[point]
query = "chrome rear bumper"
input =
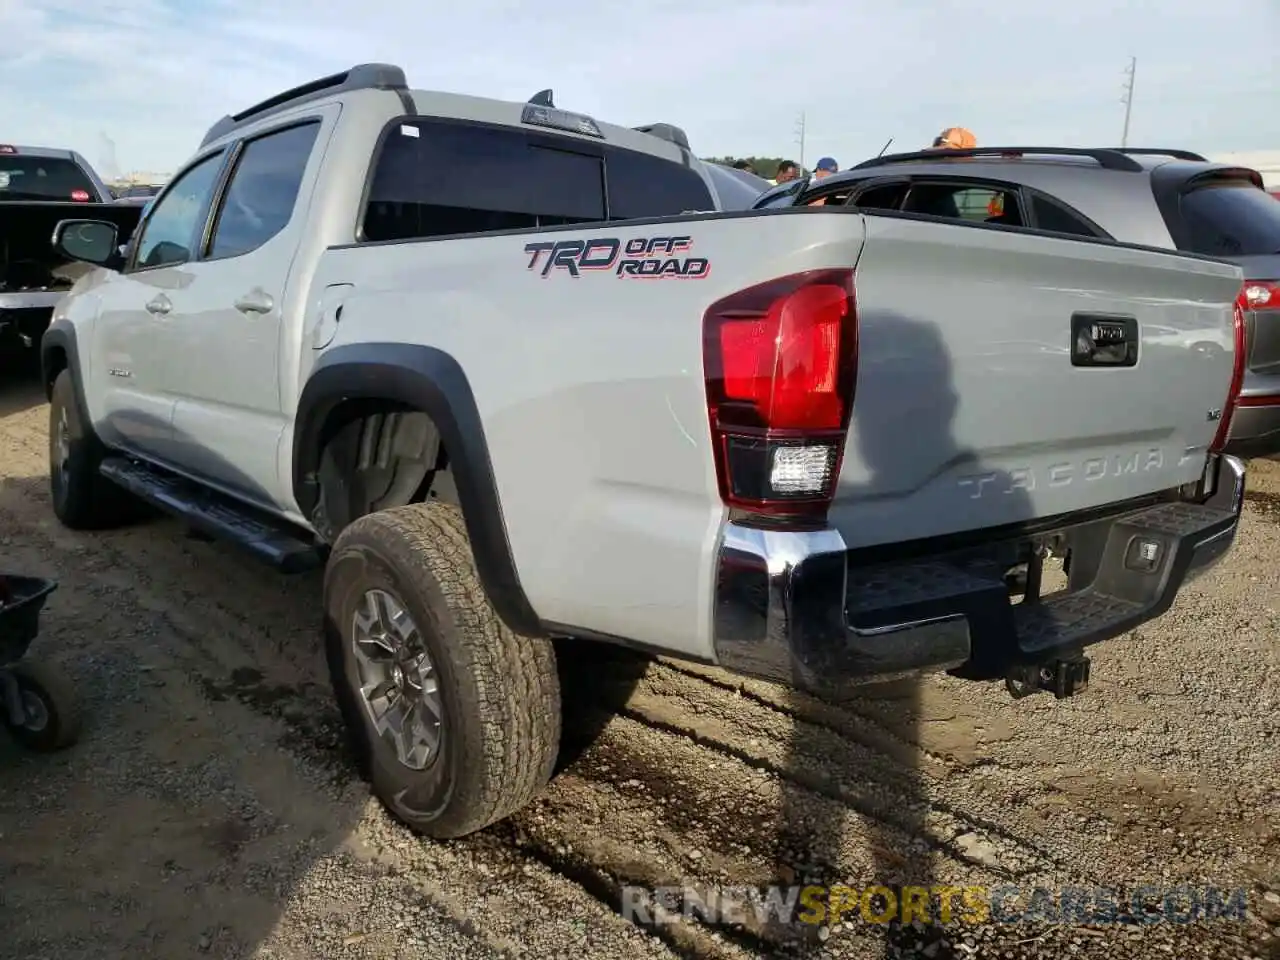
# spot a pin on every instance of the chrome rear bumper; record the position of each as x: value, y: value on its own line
x: 790, y: 607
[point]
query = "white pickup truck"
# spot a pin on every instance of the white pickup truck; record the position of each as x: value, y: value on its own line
x: 512, y: 375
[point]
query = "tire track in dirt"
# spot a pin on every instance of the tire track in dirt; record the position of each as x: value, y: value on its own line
x: 780, y: 738
x: 846, y: 719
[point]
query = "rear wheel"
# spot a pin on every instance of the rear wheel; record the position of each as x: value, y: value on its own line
x: 453, y: 717
x: 83, y: 499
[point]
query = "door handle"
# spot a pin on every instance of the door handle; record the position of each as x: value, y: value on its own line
x: 159, y: 306
x: 255, y: 302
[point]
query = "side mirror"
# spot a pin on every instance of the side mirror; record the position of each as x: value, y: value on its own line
x: 89, y: 241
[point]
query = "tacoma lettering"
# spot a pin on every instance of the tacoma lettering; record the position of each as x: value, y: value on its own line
x: 1055, y: 475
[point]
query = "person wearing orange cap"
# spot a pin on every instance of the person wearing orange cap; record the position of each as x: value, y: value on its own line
x: 955, y: 138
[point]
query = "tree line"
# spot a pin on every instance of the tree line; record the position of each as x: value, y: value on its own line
x: 766, y: 167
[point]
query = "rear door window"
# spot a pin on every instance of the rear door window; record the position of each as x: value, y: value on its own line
x: 1057, y: 218
x: 964, y: 201
x: 259, y: 201
x: 1231, y: 219
x: 882, y: 196
x: 435, y: 178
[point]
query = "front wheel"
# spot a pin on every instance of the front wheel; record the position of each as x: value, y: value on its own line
x: 50, y: 714
x: 453, y: 717
x: 83, y: 499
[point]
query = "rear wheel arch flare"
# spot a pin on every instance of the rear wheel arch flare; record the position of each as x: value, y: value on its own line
x: 416, y: 399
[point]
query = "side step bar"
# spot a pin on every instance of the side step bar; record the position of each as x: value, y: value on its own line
x: 273, y: 541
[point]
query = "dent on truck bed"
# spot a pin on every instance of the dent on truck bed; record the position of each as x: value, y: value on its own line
x: 430, y: 380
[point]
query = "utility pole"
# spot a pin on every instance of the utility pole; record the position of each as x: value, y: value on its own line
x: 800, y: 137
x: 1127, y: 99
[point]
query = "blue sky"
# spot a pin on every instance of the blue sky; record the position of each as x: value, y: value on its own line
x: 133, y: 84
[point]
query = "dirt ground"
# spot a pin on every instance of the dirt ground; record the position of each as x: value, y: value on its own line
x: 210, y: 809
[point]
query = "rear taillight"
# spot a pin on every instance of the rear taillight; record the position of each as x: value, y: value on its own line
x: 1260, y: 295
x: 780, y: 360
x: 1237, y: 379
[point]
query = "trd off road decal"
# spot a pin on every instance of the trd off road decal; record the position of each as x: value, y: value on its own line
x: 641, y: 258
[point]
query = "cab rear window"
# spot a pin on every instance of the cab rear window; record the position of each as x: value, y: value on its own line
x: 1231, y: 218
x: 43, y: 178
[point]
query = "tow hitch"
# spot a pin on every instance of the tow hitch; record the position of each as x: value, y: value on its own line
x: 1063, y: 678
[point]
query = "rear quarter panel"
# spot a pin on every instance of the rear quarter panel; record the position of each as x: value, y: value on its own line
x: 591, y: 392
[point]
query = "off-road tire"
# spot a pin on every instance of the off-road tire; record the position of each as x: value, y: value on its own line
x: 83, y: 499
x: 500, y: 691
x: 58, y: 701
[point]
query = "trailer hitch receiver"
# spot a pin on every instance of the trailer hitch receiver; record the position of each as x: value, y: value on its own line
x: 1063, y: 678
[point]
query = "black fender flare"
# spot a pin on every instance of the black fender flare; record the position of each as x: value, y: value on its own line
x: 61, y: 336
x: 432, y: 381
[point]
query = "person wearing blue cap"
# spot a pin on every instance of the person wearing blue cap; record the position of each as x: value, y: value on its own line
x: 825, y: 168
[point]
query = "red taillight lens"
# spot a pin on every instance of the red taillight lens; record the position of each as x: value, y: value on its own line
x: 780, y: 360
x: 1237, y: 379
x: 80, y: 196
x: 1260, y: 295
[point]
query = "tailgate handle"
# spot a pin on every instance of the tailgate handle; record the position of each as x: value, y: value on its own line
x: 1103, y: 340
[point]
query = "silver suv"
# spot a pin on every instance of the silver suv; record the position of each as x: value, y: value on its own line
x: 1169, y: 199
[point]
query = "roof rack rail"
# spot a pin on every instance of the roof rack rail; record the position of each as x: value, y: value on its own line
x: 1107, y: 159
x: 1153, y: 152
x: 363, y: 76
x: 668, y: 132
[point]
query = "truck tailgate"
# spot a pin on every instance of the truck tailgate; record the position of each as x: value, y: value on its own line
x: 971, y: 410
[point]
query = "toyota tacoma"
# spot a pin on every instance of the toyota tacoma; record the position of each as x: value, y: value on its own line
x: 578, y: 392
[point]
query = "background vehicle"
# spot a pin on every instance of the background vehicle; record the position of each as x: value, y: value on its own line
x: 757, y: 185
x: 137, y: 191
x: 1159, y: 198
x: 544, y: 400
x: 139, y: 194
x: 39, y: 187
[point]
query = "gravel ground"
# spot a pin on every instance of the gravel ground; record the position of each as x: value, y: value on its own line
x: 210, y: 809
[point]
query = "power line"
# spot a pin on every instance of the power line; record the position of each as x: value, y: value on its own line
x: 800, y: 137
x: 1127, y: 99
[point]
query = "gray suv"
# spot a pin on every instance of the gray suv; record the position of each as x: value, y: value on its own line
x: 1158, y: 198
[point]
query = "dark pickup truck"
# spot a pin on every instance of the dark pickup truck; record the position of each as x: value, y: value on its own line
x: 39, y: 187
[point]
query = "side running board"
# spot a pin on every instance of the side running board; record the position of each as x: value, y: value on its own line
x: 273, y: 541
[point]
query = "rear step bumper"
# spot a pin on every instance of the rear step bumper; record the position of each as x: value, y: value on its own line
x: 791, y: 608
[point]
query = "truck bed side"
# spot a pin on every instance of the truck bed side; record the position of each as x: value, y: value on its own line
x: 591, y: 394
